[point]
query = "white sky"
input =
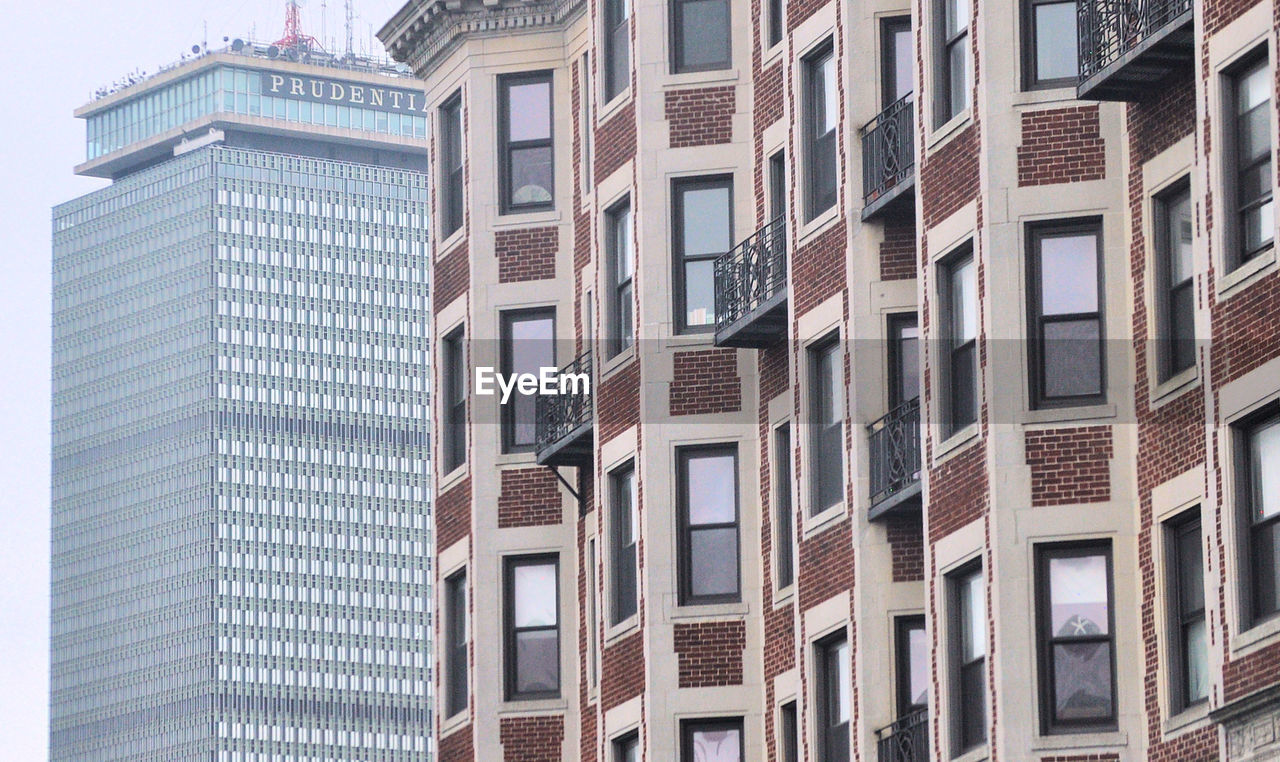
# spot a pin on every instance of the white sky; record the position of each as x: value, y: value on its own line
x: 53, y: 55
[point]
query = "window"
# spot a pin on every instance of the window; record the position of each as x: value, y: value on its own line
x: 711, y: 740
x: 788, y: 733
x: 627, y: 748
x: 777, y: 185
x: 785, y: 533
x: 773, y: 24
x: 1076, y: 641
x: 1248, y: 156
x: 703, y: 215
x: 451, y: 189
x: 951, y: 60
x: 1049, y: 47
x: 622, y: 542
x: 831, y: 681
x: 621, y: 268
x: 822, y: 106
x: 700, y: 35
x: 904, y: 358
x: 897, y: 60
x: 532, y: 595
x: 527, y: 173
x: 826, y: 424
x: 1260, y: 490
x: 1175, y: 297
x: 1188, y: 639
x: 455, y: 645
x: 1065, y: 298
x: 528, y: 344
x: 617, y: 47
x: 708, y: 508
x: 968, y: 645
x: 912, y: 664
x: 587, y: 125
x: 454, y: 388
x: 959, y: 304
x: 593, y: 652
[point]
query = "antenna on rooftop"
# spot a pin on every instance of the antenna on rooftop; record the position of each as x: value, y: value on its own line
x: 350, y: 25
x: 293, y: 38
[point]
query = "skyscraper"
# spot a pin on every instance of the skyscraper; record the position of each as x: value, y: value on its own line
x: 241, y: 529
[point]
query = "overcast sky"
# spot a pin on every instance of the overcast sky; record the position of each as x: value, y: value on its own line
x: 52, y: 57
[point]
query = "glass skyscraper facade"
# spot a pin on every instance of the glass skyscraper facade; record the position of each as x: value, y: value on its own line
x: 241, y: 527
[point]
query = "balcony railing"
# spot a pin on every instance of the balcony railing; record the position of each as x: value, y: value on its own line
x: 1126, y: 46
x: 894, y: 444
x: 564, y: 421
x: 906, y: 740
x: 751, y: 289
x: 889, y: 159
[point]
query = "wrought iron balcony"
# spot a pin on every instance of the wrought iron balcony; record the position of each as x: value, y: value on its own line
x: 751, y: 289
x: 889, y: 160
x: 1126, y: 46
x: 564, y: 422
x: 906, y: 740
x: 894, y: 444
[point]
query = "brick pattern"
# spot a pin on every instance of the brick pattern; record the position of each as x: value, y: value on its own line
x: 1164, y: 118
x: 906, y: 546
x: 1061, y: 145
x: 768, y: 97
x: 817, y: 269
x: 1108, y: 757
x: 618, y: 402
x: 531, y: 739
x: 452, y: 277
x: 958, y: 491
x: 616, y: 141
x: 1246, y: 330
x: 1070, y: 465
x: 705, y: 382
x: 1219, y: 13
x: 700, y: 116
x: 526, y: 253
x: 825, y: 564
x: 530, y: 497
x: 949, y: 177
x: 458, y: 746
x: 898, y: 250
x: 621, y: 671
x: 453, y: 514
x: 710, y: 653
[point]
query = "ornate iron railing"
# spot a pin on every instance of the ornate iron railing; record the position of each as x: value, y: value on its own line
x: 558, y: 415
x: 1111, y: 28
x: 752, y: 273
x: 906, y: 740
x: 888, y: 149
x: 894, y: 442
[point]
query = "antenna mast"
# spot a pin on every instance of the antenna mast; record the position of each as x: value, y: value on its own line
x: 351, y: 16
x: 293, y: 36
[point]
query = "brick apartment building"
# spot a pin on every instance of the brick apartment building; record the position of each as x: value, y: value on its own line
x: 935, y: 351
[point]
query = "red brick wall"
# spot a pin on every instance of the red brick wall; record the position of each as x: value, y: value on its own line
x: 622, y: 671
x: 949, y: 177
x: 906, y: 545
x: 700, y: 116
x: 453, y: 513
x: 768, y: 96
x: 618, y: 402
x: 817, y: 269
x: 958, y: 491
x: 1070, y: 465
x: 1061, y: 145
x: 530, y: 497
x: 452, y: 276
x: 531, y: 739
x: 1219, y: 13
x: 705, y: 382
x: 1110, y: 757
x: 1162, y: 119
x: 710, y: 653
x: 616, y: 141
x: 1246, y: 330
x: 457, y: 746
x: 898, y: 251
x: 826, y: 565
x: 526, y: 253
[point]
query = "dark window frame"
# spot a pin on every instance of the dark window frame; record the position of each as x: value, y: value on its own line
x: 955, y: 350
x: 1231, y: 77
x: 1046, y: 640
x: 1173, y: 354
x: 902, y: 628
x: 783, y: 510
x: 1251, y: 534
x: 684, y: 546
x: 623, y: 558
x: 506, y: 146
x: 453, y: 387
x: 830, y: 733
x: 890, y: 27
x: 818, y: 199
x: 961, y: 706
x: 679, y: 186
x: 1180, y: 620
x: 1037, y: 320
x: 1030, y: 61
x: 691, y: 726
x: 616, y: 39
x: 506, y: 413
x: 828, y: 345
x: 621, y: 333
x: 455, y: 645
x: 621, y: 744
x: 777, y: 184
x: 510, y: 633
x: 788, y: 732
x: 452, y: 186
x: 774, y: 23
x: 944, y: 105
x: 679, y: 66
x: 895, y: 324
